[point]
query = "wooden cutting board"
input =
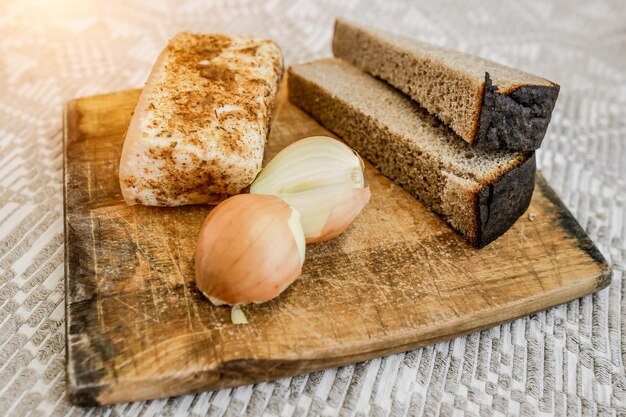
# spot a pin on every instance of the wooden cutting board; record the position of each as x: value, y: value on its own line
x: 398, y: 279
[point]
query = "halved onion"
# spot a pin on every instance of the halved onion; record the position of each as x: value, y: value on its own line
x: 320, y: 177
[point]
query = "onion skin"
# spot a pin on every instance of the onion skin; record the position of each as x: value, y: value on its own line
x: 247, y: 250
x: 346, y: 208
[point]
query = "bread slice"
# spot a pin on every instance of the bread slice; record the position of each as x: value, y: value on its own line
x: 480, y: 193
x: 200, y: 126
x: 489, y: 105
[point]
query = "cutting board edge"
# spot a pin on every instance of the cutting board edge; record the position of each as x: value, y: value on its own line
x: 575, y: 230
x: 97, y: 394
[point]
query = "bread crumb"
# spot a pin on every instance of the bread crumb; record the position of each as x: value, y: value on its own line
x: 531, y: 217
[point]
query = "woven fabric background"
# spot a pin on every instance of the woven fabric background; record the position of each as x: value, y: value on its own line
x: 568, y: 360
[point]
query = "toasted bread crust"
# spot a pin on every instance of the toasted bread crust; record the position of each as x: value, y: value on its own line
x: 514, y: 118
x: 198, y: 132
x: 476, y: 120
x: 503, y: 201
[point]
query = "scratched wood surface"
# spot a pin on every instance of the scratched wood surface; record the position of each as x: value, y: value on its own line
x: 399, y: 278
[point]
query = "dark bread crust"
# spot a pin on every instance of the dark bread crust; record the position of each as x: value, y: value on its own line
x: 501, y: 203
x: 495, y: 205
x: 515, y: 119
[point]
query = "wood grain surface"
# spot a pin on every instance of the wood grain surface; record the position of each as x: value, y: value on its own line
x: 399, y: 278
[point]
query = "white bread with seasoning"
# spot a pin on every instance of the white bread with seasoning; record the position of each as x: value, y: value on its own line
x: 199, y: 129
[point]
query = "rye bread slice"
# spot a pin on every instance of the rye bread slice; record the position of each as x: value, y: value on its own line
x: 479, y: 192
x: 488, y: 104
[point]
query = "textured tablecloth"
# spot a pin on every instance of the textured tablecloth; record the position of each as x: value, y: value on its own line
x: 569, y: 359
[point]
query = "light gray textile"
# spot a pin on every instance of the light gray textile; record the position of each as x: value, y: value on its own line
x: 567, y: 360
